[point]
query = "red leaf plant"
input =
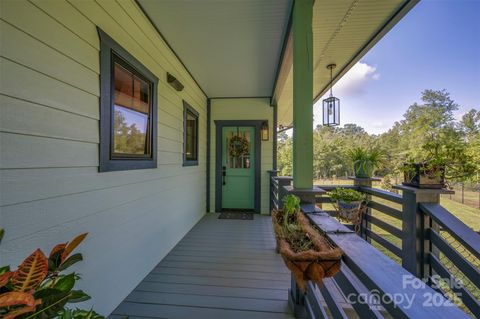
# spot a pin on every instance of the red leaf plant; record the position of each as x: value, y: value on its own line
x: 39, y: 289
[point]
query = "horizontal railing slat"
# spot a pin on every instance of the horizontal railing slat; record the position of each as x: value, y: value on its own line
x: 326, y: 290
x: 349, y: 288
x: 332, y: 187
x: 396, y: 198
x: 323, y: 199
x: 455, y: 227
x: 314, y: 307
x: 395, y: 213
x: 463, y: 294
x: 383, y: 225
x: 456, y: 258
x: 385, y: 243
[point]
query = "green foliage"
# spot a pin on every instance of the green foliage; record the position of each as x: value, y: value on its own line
x: 291, y: 231
x: 284, y: 154
x: 346, y: 195
x: 39, y: 289
x: 291, y: 204
x: 365, y: 160
x: 79, y: 314
x: 128, y: 139
x: 427, y: 132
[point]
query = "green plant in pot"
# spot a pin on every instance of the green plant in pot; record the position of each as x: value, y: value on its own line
x: 291, y: 230
x: 365, y: 161
x: 39, y: 288
x: 439, y: 163
x: 349, y: 203
x: 307, y: 253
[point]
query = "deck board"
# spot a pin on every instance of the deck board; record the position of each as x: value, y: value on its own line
x: 221, y: 268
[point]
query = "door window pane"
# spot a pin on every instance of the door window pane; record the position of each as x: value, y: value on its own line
x: 238, y: 149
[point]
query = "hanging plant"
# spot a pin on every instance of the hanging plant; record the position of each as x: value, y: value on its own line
x: 238, y: 146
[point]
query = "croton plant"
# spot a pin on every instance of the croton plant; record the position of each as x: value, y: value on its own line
x: 40, y: 289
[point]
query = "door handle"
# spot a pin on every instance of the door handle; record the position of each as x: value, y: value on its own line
x: 224, y: 174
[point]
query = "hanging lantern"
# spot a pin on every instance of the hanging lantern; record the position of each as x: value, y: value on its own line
x: 264, y: 131
x: 331, y: 105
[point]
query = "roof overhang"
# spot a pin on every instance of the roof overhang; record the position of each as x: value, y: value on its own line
x: 231, y: 48
x: 343, y: 32
x: 244, y: 48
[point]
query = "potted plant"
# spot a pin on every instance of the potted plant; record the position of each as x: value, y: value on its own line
x: 39, y: 289
x: 349, y: 204
x: 306, y: 252
x: 440, y: 161
x: 365, y: 161
x: 424, y: 174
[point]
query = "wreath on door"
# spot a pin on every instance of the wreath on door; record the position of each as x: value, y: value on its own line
x: 238, y: 146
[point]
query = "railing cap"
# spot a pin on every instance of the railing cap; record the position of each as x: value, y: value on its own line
x: 423, y: 190
x: 375, y: 179
x: 283, y: 178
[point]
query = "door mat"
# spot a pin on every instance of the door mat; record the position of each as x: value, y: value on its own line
x: 236, y: 215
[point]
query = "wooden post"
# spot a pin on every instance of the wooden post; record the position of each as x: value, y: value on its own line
x: 415, y: 242
x: 302, y: 94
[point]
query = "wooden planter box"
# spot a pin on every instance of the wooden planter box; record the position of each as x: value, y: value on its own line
x: 419, y: 175
x: 314, y: 264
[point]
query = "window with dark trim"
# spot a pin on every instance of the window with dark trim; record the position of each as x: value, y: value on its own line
x: 190, y: 135
x: 128, y: 110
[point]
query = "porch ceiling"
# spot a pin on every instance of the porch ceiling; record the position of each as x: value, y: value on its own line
x: 343, y: 31
x: 231, y: 48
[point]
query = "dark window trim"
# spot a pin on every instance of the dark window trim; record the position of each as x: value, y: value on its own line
x: 108, y: 46
x: 187, y: 108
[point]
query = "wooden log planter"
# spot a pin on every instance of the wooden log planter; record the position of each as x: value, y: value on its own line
x: 322, y: 261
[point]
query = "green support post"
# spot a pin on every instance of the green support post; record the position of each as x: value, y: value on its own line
x: 302, y: 94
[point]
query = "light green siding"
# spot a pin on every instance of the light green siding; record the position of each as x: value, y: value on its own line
x: 244, y: 109
x: 49, y: 111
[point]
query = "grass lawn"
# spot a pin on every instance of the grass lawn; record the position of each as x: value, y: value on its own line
x: 467, y: 214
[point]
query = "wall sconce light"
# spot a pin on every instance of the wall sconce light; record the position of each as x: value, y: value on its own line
x: 331, y: 105
x: 264, y: 131
x: 177, y: 85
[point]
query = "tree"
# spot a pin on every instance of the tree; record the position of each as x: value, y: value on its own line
x: 427, y: 126
x: 470, y: 125
x: 128, y: 138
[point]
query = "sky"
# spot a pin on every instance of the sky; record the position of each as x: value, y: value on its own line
x: 435, y: 46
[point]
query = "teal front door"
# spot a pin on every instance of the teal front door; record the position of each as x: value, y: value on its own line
x: 238, y: 167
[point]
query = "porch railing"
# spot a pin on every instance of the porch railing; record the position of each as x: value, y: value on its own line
x: 420, y: 242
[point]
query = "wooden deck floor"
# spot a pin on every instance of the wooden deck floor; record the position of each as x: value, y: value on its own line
x: 220, y: 269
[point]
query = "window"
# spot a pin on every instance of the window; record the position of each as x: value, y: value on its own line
x: 128, y: 110
x: 190, y: 135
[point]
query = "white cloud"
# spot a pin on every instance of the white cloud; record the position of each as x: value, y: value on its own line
x: 354, y: 81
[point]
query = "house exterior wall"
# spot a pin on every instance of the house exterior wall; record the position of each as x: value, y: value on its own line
x: 51, y: 189
x: 244, y: 109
